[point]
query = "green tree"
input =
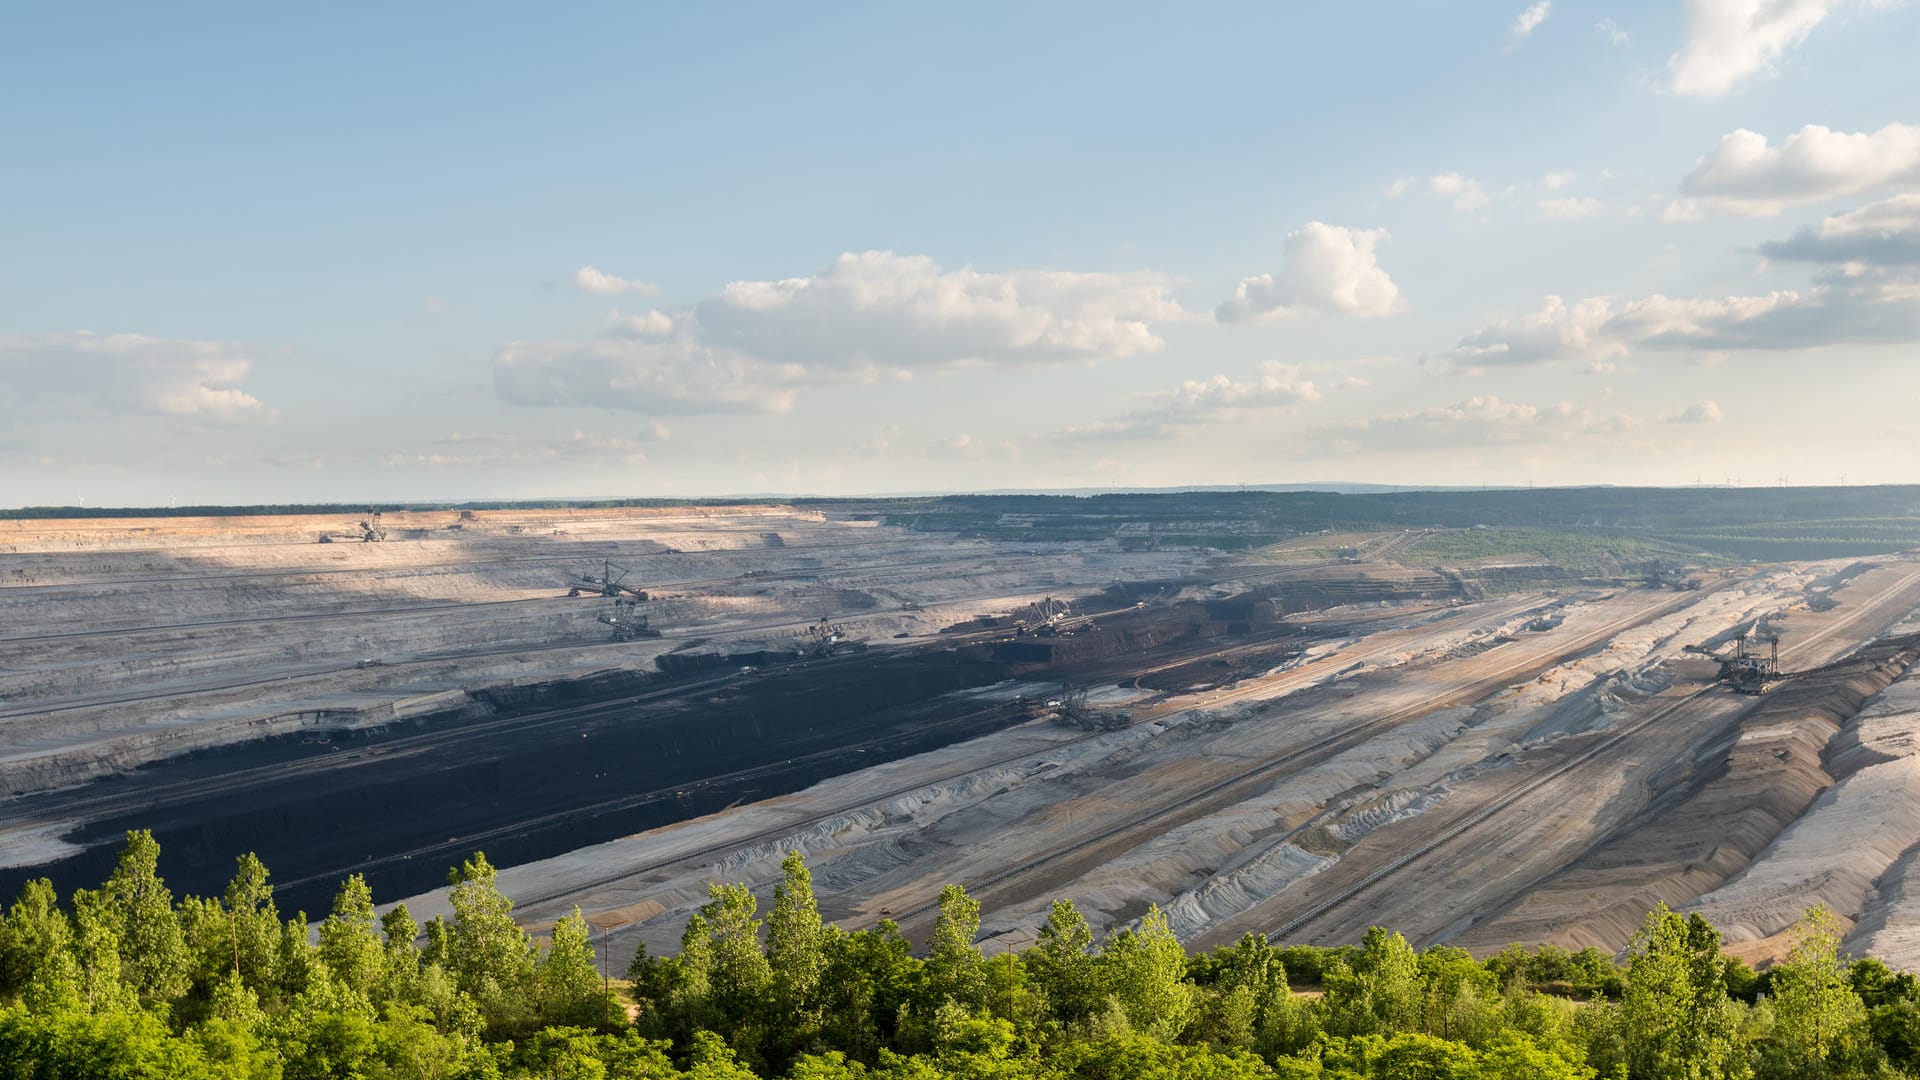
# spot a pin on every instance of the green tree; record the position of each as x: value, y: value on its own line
x: 1676, y: 1020
x: 739, y: 976
x: 153, y: 952
x: 1462, y: 998
x: 402, y: 962
x: 96, y: 952
x: 689, y: 983
x: 36, y: 951
x: 1144, y: 970
x: 572, y: 991
x: 233, y: 1037
x: 795, y: 951
x: 954, y: 963
x: 1250, y: 996
x: 255, y: 924
x: 870, y: 975
x: 488, y: 955
x: 1818, y: 1019
x: 1511, y: 1056
x: 295, y: 964
x: 349, y: 945
x: 1062, y: 965
x: 1382, y: 993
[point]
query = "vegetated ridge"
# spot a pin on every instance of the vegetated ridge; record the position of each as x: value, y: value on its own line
x: 126, y: 982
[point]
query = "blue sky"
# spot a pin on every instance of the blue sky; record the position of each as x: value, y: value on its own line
x: 471, y: 251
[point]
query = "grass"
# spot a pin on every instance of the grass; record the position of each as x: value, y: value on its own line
x: 1582, y: 551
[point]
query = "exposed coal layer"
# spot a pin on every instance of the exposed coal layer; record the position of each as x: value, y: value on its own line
x: 556, y: 766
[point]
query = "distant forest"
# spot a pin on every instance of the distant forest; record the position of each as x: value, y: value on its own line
x: 125, y: 981
x: 1702, y: 523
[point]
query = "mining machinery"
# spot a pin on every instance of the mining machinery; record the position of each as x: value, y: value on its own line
x: 1663, y: 576
x: 1070, y: 709
x: 1749, y: 670
x: 368, y: 530
x: 629, y: 623
x: 828, y: 638
x: 607, y: 584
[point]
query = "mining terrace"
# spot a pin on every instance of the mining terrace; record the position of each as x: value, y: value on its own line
x: 621, y: 704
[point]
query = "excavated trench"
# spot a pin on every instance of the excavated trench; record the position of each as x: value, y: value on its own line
x: 1752, y: 782
x: 533, y: 771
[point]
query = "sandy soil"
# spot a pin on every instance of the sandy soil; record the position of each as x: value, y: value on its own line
x: 127, y: 641
x: 1445, y: 771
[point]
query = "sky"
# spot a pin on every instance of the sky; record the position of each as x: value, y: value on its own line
x: 259, y: 253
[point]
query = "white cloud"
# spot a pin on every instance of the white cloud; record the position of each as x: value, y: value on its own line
x: 661, y: 377
x: 1729, y: 40
x: 1865, y: 310
x: 129, y: 374
x: 1571, y: 208
x: 903, y: 311
x: 1746, y: 175
x: 1700, y: 412
x: 1554, y: 181
x: 1328, y: 268
x: 600, y: 283
x: 1199, y: 403
x: 1612, y: 32
x: 492, y: 450
x: 1467, y: 194
x: 1885, y: 233
x: 1554, y: 332
x: 961, y: 447
x: 1481, y: 420
x: 876, y: 314
x: 1528, y: 21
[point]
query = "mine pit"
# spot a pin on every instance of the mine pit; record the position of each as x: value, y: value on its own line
x: 619, y: 705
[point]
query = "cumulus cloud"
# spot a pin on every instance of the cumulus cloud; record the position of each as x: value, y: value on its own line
x: 1198, y: 403
x: 1466, y: 193
x: 1528, y: 21
x: 876, y: 314
x: 1700, y: 412
x: 904, y: 311
x: 1863, y: 310
x: 600, y: 283
x: 1554, y: 181
x: 494, y: 450
x: 1611, y: 32
x: 1744, y: 174
x: 661, y: 377
x: 1328, y: 268
x: 1481, y: 420
x: 1730, y: 40
x: 1556, y: 331
x: 1884, y: 234
x: 130, y: 374
x: 1571, y: 208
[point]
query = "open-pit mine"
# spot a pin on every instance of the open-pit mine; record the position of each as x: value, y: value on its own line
x: 1296, y: 730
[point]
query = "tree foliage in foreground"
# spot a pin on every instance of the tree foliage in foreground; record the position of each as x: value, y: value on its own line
x: 126, y: 982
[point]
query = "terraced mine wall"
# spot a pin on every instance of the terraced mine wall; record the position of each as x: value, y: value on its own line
x: 1764, y: 774
x: 529, y: 771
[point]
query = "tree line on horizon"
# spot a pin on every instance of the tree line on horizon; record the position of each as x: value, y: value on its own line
x: 125, y: 981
